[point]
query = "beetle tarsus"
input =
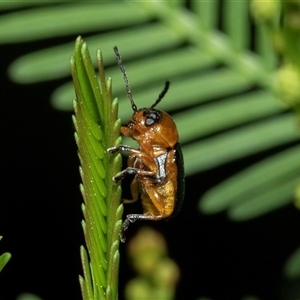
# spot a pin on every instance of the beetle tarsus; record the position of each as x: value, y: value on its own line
x: 113, y: 150
x: 123, y: 148
x: 129, y: 219
x: 118, y: 177
x: 124, y: 228
x: 124, y: 173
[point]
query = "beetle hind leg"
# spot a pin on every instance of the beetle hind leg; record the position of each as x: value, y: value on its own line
x: 124, y: 228
x: 132, y: 218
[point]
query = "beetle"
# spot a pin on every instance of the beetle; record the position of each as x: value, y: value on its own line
x: 157, y: 163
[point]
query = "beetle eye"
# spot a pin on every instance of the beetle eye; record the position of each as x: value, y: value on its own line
x: 152, y: 118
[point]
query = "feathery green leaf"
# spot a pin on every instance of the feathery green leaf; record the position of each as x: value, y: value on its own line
x: 97, y: 128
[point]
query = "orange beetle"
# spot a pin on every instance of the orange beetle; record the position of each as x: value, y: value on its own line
x: 157, y: 164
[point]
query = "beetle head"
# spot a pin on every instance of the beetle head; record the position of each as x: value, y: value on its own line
x: 152, y: 126
x: 148, y: 125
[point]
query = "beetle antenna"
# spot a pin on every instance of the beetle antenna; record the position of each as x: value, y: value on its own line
x: 122, y: 68
x: 162, y: 93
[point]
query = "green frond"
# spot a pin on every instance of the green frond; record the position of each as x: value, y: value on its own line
x: 292, y: 266
x: 97, y: 128
x: 272, y: 186
x: 4, y: 258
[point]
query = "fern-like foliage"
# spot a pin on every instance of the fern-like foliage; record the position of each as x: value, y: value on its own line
x: 97, y: 128
x: 4, y: 258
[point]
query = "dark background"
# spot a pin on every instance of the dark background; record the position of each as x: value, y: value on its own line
x: 40, y: 212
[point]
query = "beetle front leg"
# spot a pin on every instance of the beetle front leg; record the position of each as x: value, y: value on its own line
x: 132, y: 171
x: 123, y: 148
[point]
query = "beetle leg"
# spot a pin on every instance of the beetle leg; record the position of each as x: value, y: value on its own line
x: 124, y: 228
x: 134, y: 188
x: 133, y: 218
x: 123, y: 148
x: 132, y: 171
